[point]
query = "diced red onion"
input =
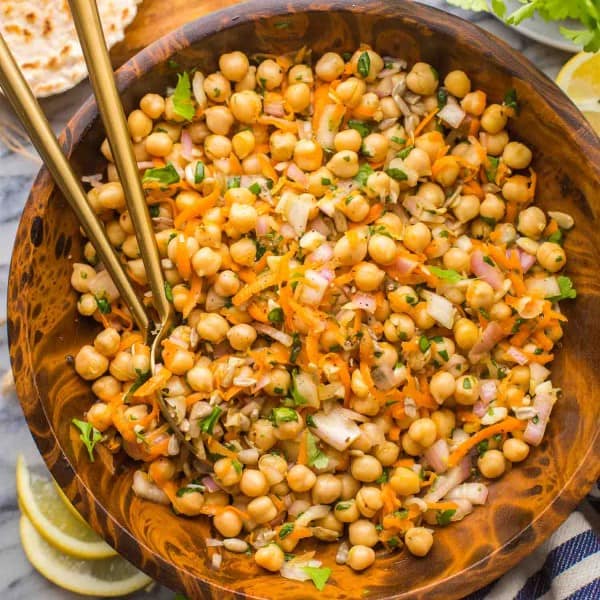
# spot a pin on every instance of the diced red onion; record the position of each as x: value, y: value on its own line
x: 452, y: 114
x: 304, y: 130
x: 351, y: 414
x: 274, y: 109
x: 361, y: 301
x: 374, y: 433
x: 318, y: 511
x: 295, y: 570
x: 186, y: 145
x: 328, y: 274
x: 384, y: 88
x: 491, y: 335
x: 404, y: 265
x: 547, y: 286
x: 102, y: 286
x: 488, y: 390
x: 213, y: 543
x: 313, y: 288
x: 213, y: 301
x: 490, y: 274
x: 287, y: 231
x: 475, y: 493
x: 538, y: 373
x: 440, y: 309
x: 276, y: 334
x: 94, y: 180
x: 216, y: 560
x: 517, y: 355
x: 322, y: 254
x: 262, y: 382
x: 336, y: 429
x: 296, y: 174
x: 262, y: 225
x: 437, y: 456
x: 320, y: 226
x: 527, y: 260
x: 210, y: 484
x: 542, y: 403
x: 444, y: 483
x: 463, y: 508
x: 341, y: 555
x: 145, y: 164
x: 456, y: 365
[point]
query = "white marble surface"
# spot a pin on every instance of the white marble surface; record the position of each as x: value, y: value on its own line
x: 18, y: 580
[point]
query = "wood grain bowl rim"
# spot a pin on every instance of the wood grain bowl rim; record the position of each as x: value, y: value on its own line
x: 574, y: 125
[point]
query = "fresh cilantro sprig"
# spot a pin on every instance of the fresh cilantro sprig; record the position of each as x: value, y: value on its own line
x: 89, y: 435
x: 182, y: 97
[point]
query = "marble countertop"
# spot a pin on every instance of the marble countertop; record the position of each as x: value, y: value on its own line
x: 18, y: 580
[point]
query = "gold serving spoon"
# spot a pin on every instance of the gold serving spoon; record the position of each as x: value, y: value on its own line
x: 33, y: 119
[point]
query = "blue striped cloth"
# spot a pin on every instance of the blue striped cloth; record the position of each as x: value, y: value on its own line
x: 565, y: 567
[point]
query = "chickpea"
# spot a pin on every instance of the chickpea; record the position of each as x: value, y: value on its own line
x: 248, y: 82
x: 418, y: 540
x: 100, y: 416
x: 457, y: 260
x: 262, y: 510
x: 360, y: 557
x: 492, y: 464
x: 516, y: 155
x: 346, y: 512
x: 246, y: 106
x: 90, y: 364
x: 445, y: 422
x: 81, y: 276
x: 111, y: 196
x: 516, y: 189
x: 234, y: 65
x: 254, y: 483
x: 467, y: 208
x: 421, y: 316
x: 241, y: 336
x: 467, y: 390
x: 300, y: 478
x: 410, y: 446
x: 369, y: 501
x: 551, y: 257
x: 351, y: 91
x: 86, y: 305
x: 243, y: 252
x: 282, y: 144
x: 423, y: 431
x: 106, y: 388
x: 206, y: 262
x: 308, y: 155
x: 243, y: 143
x: 500, y: 311
x: 269, y: 74
x: 398, y: 328
x: 121, y: 367
x: 474, y: 103
x: 495, y: 143
x: 448, y: 171
x: 466, y: 333
x: 532, y: 222
x: 217, y: 87
x: 227, y: 284
x: 458, y: 83
x: 422, y: 79
x: 226, y: 472
x: 279, y: 383
x: 480, y: 294
x: 217, y: 146
x: 344, y: 164
x: 300, y: 73
x: 242, y: 217
x: 382, y: 249
x: 376, y: 147
x: 212, y: 327
x: 158, y: 144
x: 492, y: 207
x: 153, y: 105
x: 262, y: 435
x: 366, y: 58
x: 442, y: 386
x: 381, y: 185
x: 139, y: 125
x: 228, y: 523
x: 189, y: 504
x: 330, y: 66
x: 270, y: 557
x: 417, y: 237
x: 200, y: 379
x: 363, y: 532
x: 219, y: 119
x: 115, y: 233
x: 418, y: 160
x: 389, y: 108
x: 405, y: 481
x: 368, y: 277
x: 107, y: 342
x: 366, y: 468
x: 297, y: 95
x: 494, y: 118
x: 327, y: 489
x: 515, y: 450
x: 387, y: 453
x: 355, y: 207
x: 348, y: 139
x: 351, y: 252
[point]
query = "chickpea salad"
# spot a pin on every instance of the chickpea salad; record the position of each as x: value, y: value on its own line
x: 368, y: 302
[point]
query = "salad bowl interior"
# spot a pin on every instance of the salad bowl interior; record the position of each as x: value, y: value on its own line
x: 46, y: 332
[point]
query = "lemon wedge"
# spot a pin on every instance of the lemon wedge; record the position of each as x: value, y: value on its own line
x: 54, y: 519
x: 580, y: 80
x: 107, y: 577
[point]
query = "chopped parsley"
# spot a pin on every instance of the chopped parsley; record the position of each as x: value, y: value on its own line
x: 182, y: 97
x: 489, y: 261
x: 398, y: 140
x: 199, y: 172
x: 567, y: 291
x: 310, y: 422
x: 363, y: 174
x: 384, y: 477
x: 285, y: 530
x: 168, y: 291
x: 316, y: 458
x: 443, y: 517
x: 467, y: 384
x: 89, y: 435
x: 163, y: 175
x: 442, y: 98
x: 297, y: 397
x: 282, y: 414
x: 482, y: 447
x: 360, y: 126
x: 139, y: 381
x: 154, y: 210
x: 343, y: 505
x: 556, y: 237
x: 275, y: 315
x: 296, y: 347
x: 424, y: 344
x: 511, y: 100
x: 208, y: 423
x: 405, y: 152
x: 255, y: 188
x: 364, y: 65
x: 103, y: 305
x: 233, y: 182
x: 397, y: 174
x: 492, y: 168
x: 260, y: 249
x: 325, y: 181
x: 319, y: 575
x: 449, y: 275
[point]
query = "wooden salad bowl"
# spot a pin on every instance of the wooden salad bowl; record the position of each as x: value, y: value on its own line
x: 524, y: 507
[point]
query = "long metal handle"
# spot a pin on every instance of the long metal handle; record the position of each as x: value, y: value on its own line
x: 91, y: 37
x: 33, y: 119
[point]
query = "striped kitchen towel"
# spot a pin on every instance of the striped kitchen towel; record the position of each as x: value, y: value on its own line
x: 564, y: 567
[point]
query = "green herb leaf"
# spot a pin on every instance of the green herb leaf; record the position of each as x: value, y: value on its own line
x: 364, y: 65
x: 297, y: 397
x: 208, y: 423
x: 282, y: 414
x: 189, y: 489
x: 168, y: 291
x: 449, y: 275
x: 467, y: 384
x: 139, y: 381
x: 285, y: 530
x: 492, y: 168
x: 316, y: 458
x: 397, y: 174
x: 442, y: 98
x: 401, y: 514
x: 398, y: 140
x: 275, y: 315
x: 103, y: 305
x: 424, y: 344
x: 567, y: 291
x: 255, y: 188
x: 363, y: 128
x: 199, y: 172
x: 154, y: 210
x: 510, y: 100
x: 489, y: 261
x: 343, y: 505
x: 89, y: 435
x: 363, y: 174
x: 482, y: 447
x: 443, y: 516
x: 234, y: 182
x: 319, y: 575
x: 325, y: 181
x: 182, y: 97
x: 404, y: 152
x: 310, y: 422
x: 384, y: 477
x: 296, y: 347
x: 556, y: 237
x: 163, y: 175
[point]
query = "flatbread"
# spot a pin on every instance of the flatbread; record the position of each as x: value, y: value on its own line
x: 42, y: 38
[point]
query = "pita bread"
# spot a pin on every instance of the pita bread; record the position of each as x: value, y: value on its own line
x: 42, y: 38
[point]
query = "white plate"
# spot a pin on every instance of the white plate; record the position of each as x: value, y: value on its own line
x: 545, y: 32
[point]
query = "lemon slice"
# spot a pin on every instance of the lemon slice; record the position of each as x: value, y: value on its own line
x: 580, y: 80
x: 107, y: 577
x: 54, y: 519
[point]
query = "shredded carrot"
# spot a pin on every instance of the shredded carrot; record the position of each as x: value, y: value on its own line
x: 394, y: 434
x: 124, y: 316
x: 129, y: 338
x: 389, y: 498
x: 442, y: 505
x: 203, y: 205
x: 405, y: 462
x: 320, y: 100
x: 303, y: 449
x: 153, y: 384
x: 442, y: 163
x: 551, y: 228
x: 258, y: 311
x: 473, y: 187
x: 263, y: 281
x: 231, y: 392
x: 509, y: 424
x: 217, y: 448
x: 283, y: 124
x: 193, y: 296
x: 474, y: 126
x: 266, y: 167
x: 312, y: 347
x: 427, y: 119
